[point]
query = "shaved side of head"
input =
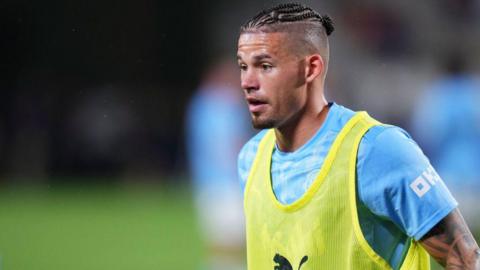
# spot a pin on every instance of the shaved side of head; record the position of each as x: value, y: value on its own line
x: 306, y: 31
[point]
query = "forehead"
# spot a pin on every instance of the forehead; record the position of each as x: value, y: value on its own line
x: 260, y: 42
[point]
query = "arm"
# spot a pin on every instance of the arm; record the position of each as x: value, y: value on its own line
x: 451, y: 243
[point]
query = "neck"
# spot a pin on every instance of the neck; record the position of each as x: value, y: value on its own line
x: 296, y: 132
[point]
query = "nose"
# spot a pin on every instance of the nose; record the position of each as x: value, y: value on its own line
x: 249, y: 80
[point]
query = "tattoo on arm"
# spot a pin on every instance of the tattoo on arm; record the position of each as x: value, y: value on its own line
x: 451, y: 243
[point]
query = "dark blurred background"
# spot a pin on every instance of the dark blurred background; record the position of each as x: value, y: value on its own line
x: 95, y: 92
x: 99, y: 87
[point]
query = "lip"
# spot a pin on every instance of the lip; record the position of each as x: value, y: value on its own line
x: 256, y: 108
x: 256, y: 105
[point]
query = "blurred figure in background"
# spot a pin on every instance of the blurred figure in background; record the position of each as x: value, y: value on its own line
x: 447, y: 124
x: 217, y: 127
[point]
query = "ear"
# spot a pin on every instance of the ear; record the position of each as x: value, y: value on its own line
x: 314, y: 67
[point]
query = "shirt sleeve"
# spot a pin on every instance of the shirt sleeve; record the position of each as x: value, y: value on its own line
x: 396, y: 181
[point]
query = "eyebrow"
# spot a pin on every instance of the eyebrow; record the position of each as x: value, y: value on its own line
x: 262, y: 56
x: 258, y: 57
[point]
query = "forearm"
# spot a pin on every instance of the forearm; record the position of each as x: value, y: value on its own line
x: 452, y: 245
x: 454, y: 256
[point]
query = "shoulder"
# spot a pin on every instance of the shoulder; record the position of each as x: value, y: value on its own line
x: 251, y: 146
x: 388, y: 159
x: 393, y: 143
x: 390, y: 163
x: 247, y: 156
x: 389, y: 153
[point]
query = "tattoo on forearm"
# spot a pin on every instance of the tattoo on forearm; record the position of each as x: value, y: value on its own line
x: 452, y: 245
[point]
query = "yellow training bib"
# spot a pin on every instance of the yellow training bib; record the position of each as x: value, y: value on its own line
x: 321, y: 229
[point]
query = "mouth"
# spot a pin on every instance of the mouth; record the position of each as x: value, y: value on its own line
x: 256, y: 105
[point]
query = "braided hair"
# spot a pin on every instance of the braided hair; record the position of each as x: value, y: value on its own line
x: 286, y: 14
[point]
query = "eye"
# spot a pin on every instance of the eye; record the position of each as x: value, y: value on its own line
x: 266, y: 66
x: 242, y: 67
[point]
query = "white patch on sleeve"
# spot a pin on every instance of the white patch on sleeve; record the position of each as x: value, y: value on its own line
x: 425, y: 181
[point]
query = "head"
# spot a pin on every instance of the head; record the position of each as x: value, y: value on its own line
x: 283, y: 55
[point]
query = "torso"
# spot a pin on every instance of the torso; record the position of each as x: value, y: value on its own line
x: 292, y: 174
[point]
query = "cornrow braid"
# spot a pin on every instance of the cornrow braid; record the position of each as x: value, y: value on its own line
x: 288, y: 13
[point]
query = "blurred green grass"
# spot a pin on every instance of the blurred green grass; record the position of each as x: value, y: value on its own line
x: 98, y: 228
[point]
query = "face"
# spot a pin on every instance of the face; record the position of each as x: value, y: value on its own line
x: 272, y: 77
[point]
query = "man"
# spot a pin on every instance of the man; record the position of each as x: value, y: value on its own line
x: 324, y: 187
x: 216, y: 118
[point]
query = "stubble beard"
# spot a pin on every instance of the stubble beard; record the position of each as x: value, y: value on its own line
x: 259, y: 123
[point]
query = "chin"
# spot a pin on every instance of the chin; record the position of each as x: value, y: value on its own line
x: 263, y: 123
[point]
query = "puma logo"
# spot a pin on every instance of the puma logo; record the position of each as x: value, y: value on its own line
x: 284, y: 264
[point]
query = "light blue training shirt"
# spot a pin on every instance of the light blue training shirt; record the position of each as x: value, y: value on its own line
x: 217, y: 125
x: 400, y: 195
